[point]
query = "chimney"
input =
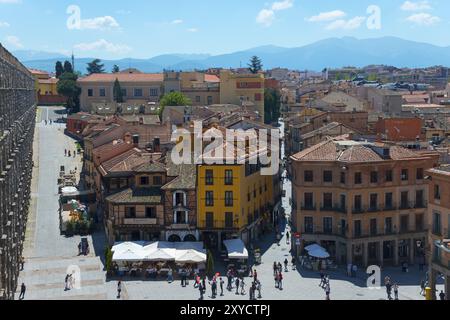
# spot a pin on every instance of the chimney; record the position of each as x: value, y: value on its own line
x: 157, y: 144
x: 136, y: 139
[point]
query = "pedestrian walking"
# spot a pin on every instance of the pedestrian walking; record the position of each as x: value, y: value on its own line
x: 170, y: 276
x: 214, y: 289
x: 277, y: 281
x: 442, y: 295
x: 286, y: 262
x: 65, y: 152
x: 200, y: 288
x: 23, y: 288
x: 389, y: 289
x: 327, y: 292
x: 275, y: 269
x: 255, y: 276
x: 229, y: 284
x: 322, y: 279
x: 66, y: 283
x: 119, y: 289
x: 422, y: 287
x: 280, y: 267
x: 258, y: 287
x: 22, y: 263
x: 288, y: 236
x: 396, y: 291
x: 221, y: 286
x: 242, y: 287
x: 197, y: 282
x: 204, y: 284
x: 237, y: 285
x: 69, y: 154
x: 294, y: 263
x: 280, y: 281
x: 250, y: 291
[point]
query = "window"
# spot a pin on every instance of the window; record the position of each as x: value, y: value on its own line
x: 374, y: 177
x: 157, y: 181
x: 90, y: 93
x: 404, y: 175
x: 328, y: 201
x: 209, y: 178
x: 374, y: 202
x: 388, y: 225
x: 437, y: 228
x: 343, y: 206
x: 419, y: 222
x: 209, y: 199
x: 419, y: 174
x: 309, y: 176
x: 209, y: 220
x: 358, y: 203
x: 138, y: 92
x: 145, y: 181
x: 309, y: 202
x: 150, y: 212
x: 404, y: 223
x: 229, y: 177
x: 419, y: 199
x: 179, y: 199
x: 102, y: 92
x: 357, y: 226
x: 154, y: 92
x: 437, y: 192
x: 328, y: 176
x: 229, y: 220
x: 309, y: 225
x: 389, y: 176
x: 373, y: 227
x: 328, y: 225
x: 388, y: 201
x: 358, y: 178
x: 130, y: 212
x: 404, y: 200
x: 197, y: 99
x: 343, y: 177
x: 210, y: 100
x: 228, y: 198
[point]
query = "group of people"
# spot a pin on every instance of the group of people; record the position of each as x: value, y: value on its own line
x: 389, y: 287
x: 48, y: 121
x: 68, y: 153
x: 214, y: 283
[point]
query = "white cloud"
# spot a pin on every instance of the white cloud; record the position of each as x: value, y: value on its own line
x: 282, y: 5
x: 267, y: 16
x: 103, y: 45
x: 177, y: 21
x: 415, y: 6
x: 4, y: 24
x: 327, y: 16
x: 99, y: 23
x: 424, y: 19
x: 192, y: 30
x: 14, y: 41
x: 351, y: 24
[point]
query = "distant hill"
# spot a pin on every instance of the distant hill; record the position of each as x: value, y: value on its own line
x: 328, y: 53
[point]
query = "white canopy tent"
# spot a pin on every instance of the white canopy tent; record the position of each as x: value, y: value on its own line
x: 236, y: 249
x: 127, y: 255
x: 320, y: 254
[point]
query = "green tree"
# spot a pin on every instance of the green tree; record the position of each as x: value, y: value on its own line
x: 117, y: 92
x: 95, y: 67
x: 209, y: 264
x: 68, y: 67
x: 108, y: 260
x: 115, y: 69
x: 255, y: 65
x: 272, y: 105
x: 67, y: 87
x: 59, y: 69
x: 173, y: 99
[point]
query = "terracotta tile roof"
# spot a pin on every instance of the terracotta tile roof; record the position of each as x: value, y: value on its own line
x: 324, y: 151
x: 137, y: 195
x: 150, y: 167
x: 359, y: 154
x: 211, y: 78
x: 123, y: 77
x: 124, y: 162
x: 399, y: 153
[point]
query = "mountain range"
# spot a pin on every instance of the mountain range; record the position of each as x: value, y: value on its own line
x: 328, y: 53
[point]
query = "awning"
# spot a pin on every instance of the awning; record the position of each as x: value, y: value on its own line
x: 191, y: 256
x: 236, y: 249
x: 128, y: 255
x: 319, y: 254
x: 315, y: 247
x: 159, y: 255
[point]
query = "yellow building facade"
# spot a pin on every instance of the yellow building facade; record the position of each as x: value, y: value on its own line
x: 242, y: 89
x: 233, y: 201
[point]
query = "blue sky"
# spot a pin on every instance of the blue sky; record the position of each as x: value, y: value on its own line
x: 145, y: 28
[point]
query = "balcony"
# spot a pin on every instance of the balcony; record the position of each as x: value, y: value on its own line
x: 140, y: 221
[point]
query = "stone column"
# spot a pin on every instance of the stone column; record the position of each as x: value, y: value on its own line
x: 381, y: 253
x: 395, y: 253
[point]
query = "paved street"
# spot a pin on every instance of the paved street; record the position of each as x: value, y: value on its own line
x: 48, y: 254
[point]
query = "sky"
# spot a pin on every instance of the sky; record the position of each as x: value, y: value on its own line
x: 116, y: 29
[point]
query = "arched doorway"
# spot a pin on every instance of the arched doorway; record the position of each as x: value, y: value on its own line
x: 174, y: 238
x: 190, y: 238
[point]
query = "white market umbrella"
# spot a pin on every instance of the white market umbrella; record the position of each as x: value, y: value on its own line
x: 319, y: 254
x: 315, y: 247
x: 128, y: 255
x: 191, y: 256
x: 159, y: 255
x: 125, y: 246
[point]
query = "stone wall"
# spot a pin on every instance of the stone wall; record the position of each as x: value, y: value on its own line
x: 17, y: 121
